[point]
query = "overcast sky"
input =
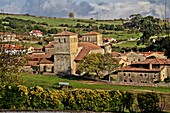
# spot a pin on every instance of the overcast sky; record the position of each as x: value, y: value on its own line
x: 98, y: 9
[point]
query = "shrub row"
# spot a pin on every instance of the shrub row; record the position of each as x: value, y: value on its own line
x: 36, y: 98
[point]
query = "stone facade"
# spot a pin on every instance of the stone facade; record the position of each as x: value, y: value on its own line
x: 66, y: 48
x: 93, y: 37
x: 148, y: 71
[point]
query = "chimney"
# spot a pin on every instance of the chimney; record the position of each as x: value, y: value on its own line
x: 150, y: 66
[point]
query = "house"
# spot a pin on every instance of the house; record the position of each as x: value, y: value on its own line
x: 131, y: 57
x: 49, y: 48
x: 8, y: 37
x: 37, y: 33
x: 144, y: 72
x: 12, y: 49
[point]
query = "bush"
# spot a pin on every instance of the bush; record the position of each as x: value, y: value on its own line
x: 148, y: 102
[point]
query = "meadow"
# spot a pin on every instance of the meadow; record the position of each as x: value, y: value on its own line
x: 47, y: 82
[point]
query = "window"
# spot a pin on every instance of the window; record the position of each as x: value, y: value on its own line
x: 124, y: 74
x: 139, y: 60
x: 59, y: 40
x: 125, y: 80
x: 141, y: 75
x: 131, y: 80
x: 145, y: 75
x: 129, y: 75
x: 64, y: 40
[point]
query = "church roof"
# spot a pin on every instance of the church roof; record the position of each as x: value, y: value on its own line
x: 65, y: 33
x: 86, y: 47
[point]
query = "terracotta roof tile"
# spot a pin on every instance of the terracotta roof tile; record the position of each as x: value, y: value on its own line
x: 50, y: 45
x: 45, y: 61
x: 65, y: 33
x: 33, y: 63
x: 86, y: 47
x: 116, y: 54
x: 135, y: 69
x: 40, y: 56
x: 152, y: 61
x: 91, y: 33
x: 10, y: 46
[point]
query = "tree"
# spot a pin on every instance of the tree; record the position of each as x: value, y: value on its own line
x: 9, y: 67
x: 91, y: 64
x: 110, y: 64
x: 71, y: 15
x: 149, y: 26
x: 97, y: 63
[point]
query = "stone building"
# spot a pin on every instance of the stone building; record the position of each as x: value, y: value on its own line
x: 148, y: 71
x: 66, y: 49
x: 66, y: 52
x: 93, y: 37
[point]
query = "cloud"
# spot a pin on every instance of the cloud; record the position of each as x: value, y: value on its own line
x: 124, y: 10
x: 98, y: 9
x: 11, y: 7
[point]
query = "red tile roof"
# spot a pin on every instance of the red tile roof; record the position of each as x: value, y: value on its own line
x: 33, y: 63
x: 149, y: 53
x: 10, y: 46
x: 65, y: 33
x: 91, y: 33
x: 116, y: 54
x: 135, y: 69
x: 151, y: 61
x: 45, y: 61
x: 40, y: 55
x: 50, y: 45
x: 86, y: 47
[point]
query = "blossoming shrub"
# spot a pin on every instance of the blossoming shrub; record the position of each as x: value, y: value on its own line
x: 18, y: 97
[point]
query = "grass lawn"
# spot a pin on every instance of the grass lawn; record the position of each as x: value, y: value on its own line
x: 47, y: 83
x: 129, y: 44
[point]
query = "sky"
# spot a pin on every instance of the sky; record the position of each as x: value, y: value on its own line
x: 97, y: 9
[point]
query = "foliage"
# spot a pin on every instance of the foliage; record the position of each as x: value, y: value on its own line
x: 9, y: 67
x: 109, y: 63
x: 149, y: 26
x: 97, y: 63
x: 18, y: 97
x: 22, y: 98
x: 91, y: 64
x: 71, y: 15
x: 148, y: 102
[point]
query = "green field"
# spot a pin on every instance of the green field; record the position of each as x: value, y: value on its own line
x: 129, y: 44
x: 48, y: 81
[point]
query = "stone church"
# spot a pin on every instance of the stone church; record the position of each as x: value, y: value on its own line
x: 65, y: 53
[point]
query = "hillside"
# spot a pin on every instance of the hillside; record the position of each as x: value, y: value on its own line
x: 109, y: 28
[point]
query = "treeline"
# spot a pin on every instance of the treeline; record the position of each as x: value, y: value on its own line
x: 94, y: 27
x: 24, y: 26
x: 36, y: 98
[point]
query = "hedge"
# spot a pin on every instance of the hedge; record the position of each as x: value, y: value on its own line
x: 20, y: 97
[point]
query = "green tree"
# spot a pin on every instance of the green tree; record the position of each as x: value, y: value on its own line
x: 9, y: 68
x: 110, y: 64
x: 71, y: 15
x: 148, y: 102
x: 149, y: 26
x: 91, y: 64
x: 97, y: 63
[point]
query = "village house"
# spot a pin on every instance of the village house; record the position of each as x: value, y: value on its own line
x: 144, y: 72
x: 8, y: 37
x: 37, y: 33
x: 12, y: 49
